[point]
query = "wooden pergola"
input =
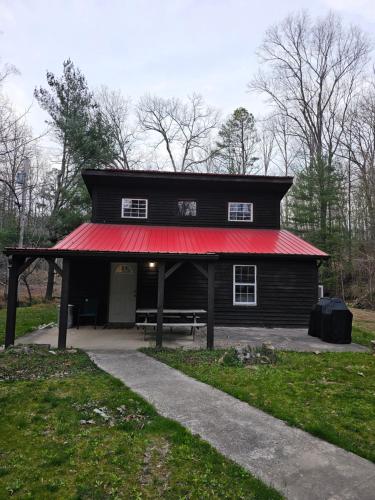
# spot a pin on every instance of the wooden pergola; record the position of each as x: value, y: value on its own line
x: 21, y: 258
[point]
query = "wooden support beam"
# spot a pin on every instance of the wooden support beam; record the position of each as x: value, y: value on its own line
x: 10, y: 329
x: 57, y: 268
x: 172, y: 269
x: 64, y: 301
x: 200, y: 269
x: 210, y: 305
x: 159, y: 327
x: 26, y: 264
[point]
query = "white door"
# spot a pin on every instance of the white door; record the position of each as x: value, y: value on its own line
x: 123, y: 292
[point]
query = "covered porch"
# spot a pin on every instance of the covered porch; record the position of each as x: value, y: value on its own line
x: 145, y: 283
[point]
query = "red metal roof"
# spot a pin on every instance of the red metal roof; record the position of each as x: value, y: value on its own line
x: 185, y: 240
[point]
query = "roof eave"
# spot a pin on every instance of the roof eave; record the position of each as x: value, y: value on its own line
x: 90, y: 177
x: 61, y: 253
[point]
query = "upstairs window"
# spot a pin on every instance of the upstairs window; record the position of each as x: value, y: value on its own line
x: 240, y: 212
x: 244, y: 285
x: 134, y: 208
x: 187, y: 208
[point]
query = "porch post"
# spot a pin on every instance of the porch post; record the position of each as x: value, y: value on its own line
x: 159, y: 328
x: 10, y: 329
x: 210, y: 304
x: 64, y: 301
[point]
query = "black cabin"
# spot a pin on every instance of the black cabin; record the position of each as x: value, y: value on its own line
x: 168, y: 241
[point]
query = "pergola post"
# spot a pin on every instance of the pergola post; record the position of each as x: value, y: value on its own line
x: 159, y: 321
x: 64, y: 302
x: 10, y: 329
x: 210, y: 304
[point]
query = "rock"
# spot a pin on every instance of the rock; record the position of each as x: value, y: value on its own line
x: 47, y: 325
x: 102, y: 412
x: 122, y: 409
x: 87, y: 422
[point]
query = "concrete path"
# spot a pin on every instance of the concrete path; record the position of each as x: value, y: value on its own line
x: 297, y: 464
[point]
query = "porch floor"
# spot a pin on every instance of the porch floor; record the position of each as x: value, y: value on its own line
x: 293, y: 339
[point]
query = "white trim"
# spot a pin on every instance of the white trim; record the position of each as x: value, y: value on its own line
x: 241, y: 220
x: 134, y: 216
x: 254, y: 284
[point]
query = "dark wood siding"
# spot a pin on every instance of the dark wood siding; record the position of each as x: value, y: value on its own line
x: 212, y: 206
x: 90, y: 278
x: 186, y: 288
x: 287, y: 289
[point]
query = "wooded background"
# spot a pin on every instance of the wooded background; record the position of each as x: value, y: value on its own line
x: 318, y: 80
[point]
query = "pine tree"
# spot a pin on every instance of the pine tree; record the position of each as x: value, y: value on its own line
x: 237, y: 145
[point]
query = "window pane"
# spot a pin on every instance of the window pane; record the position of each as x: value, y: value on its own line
x: 244, y: 284
x: 134, y: 208
x: 245, y: 294
x: 187, y: 208
x: 240, y: 211
x: 244, y: 274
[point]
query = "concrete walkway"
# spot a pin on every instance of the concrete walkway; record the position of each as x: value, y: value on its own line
x: 297, y: 464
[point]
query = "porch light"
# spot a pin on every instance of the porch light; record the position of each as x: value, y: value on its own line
x: 151, y: 264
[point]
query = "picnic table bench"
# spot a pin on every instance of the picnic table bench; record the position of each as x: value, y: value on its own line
x: 172, y: 318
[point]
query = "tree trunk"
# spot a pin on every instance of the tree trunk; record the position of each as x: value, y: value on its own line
x: 50, y: 280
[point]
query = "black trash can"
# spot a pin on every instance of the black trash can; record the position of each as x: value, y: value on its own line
x: 336, y: 322
x: 315, y: 322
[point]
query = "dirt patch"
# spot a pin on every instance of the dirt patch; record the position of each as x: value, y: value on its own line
x: 364, y: 317
x: 155, y: 472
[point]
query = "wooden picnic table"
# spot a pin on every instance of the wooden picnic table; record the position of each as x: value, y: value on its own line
x: 171, y: 311
x: 170, y: 314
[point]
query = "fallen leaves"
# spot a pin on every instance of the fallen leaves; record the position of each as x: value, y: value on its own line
x: 110, y: 417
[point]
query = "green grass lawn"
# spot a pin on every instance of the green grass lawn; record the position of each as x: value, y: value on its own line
x: 53, y: 444
x: 362, y: 335
x: 29, y: 318
x: 330, y: 395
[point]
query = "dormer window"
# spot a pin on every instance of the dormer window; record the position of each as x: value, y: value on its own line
x: 134, y: 208
x: 187, y: 208
x: 240, y: 211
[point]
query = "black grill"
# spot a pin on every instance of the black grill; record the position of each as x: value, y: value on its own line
x: 331, y: 320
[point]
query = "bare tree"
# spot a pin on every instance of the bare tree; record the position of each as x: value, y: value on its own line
x: 358, y: 147
x: 286, y: 154
x: 184, y: 128
x: 267, y: 144
x: 116, y: 111
x: 312, y: 69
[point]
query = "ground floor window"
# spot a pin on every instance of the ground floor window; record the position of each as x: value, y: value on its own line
x: 244, y: 285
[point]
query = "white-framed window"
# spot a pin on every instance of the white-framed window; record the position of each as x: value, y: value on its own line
x: 240, y: 211
x: 187, y: 208
x: 134, y: 208
x: 244, y: 285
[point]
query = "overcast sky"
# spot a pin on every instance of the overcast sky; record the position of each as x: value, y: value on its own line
x: 163, y: 47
